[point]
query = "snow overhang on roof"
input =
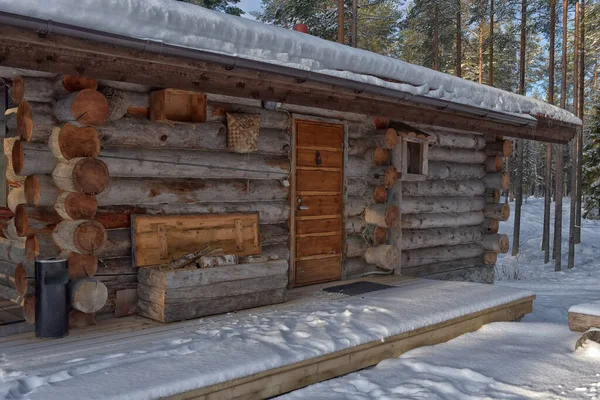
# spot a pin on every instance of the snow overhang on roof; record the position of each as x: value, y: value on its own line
x: 269, y: 47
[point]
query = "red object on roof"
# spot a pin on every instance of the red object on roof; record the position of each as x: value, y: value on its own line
x: 301, y: 28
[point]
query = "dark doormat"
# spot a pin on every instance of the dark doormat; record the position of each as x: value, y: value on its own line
x: 357, y: 288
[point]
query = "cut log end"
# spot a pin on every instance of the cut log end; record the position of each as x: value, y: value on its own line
x: 73, y: 83
x: 89, y: 237
x: 392, y: 216
x: 381, y: 156
x: 29, y: 308
x: 21, y: 220
x: 381, y: 122
x: 88, y: 295
x: 24, y: 121
x: 18, y: 89
x: 380, y: 194
x: 490, y: 258
x: 21, y: 279
x: 32, y: 247
x: 69, y: 141
x: 391, y: 138
x: 73, y: 205
x: 82, y: 265
x: 90, y: 108
x: 491, y: 226
x: 507, y: 148
x: 90, y: 176
x: 32, y: 190
x: 17, y: 157
x: 385, y: 256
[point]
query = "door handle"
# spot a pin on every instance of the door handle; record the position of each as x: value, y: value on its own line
x: 302, y: 207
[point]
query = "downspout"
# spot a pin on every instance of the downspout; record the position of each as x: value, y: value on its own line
x: 46, y: 28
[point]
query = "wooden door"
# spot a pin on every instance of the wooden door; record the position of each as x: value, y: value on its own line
x: 318, y: 202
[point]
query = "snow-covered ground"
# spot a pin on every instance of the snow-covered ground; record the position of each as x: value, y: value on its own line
x: 532, y: 359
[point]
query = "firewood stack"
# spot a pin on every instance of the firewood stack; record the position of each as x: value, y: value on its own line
x: 369, y: 214
x: 56, y: 160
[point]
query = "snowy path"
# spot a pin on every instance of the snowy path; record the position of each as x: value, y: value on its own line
x: 533, y: 359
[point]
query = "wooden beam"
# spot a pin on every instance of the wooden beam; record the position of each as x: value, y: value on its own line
x: 61, y: 54
x: 291, y: 377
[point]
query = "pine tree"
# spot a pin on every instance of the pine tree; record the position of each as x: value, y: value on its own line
x: 225, y: 6
x: 591, y: 169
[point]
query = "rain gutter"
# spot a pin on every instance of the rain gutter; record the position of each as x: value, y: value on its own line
x: 46, y: 28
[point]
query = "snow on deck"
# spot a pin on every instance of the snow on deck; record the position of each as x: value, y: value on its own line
x: 172, y: 359
x: 592, y: 308
x: 186, y: 25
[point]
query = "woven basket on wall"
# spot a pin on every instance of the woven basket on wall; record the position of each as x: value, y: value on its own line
x: 242, y: 132
x: 117, y: 103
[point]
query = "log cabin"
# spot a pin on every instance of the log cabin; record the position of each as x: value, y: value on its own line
x: 276, y: 159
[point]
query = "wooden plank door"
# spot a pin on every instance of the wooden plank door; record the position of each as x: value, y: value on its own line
x: 318, y: 202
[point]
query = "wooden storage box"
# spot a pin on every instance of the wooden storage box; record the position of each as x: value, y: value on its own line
x: 181, y: 294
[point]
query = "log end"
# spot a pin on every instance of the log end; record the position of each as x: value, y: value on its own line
x: 381, y: 156
x: 381, y: 122
x: 505, y: 212
x: 490, y: 258
x: 73, y: 83
x: 17, y: 157
x: 505, y: 181
x: 21, y: 220
x: 491, y: 226
x: 507, y: 148
x: 391, y: 177
x: 82, y: 265
x: 90, y: 176
x: 379, y: 194
x: 32, y: 190
x: 88, y: 295
x: 24, y: 121
x: 90, y: 107
x: 32, y: 247
x: 391, y: 138
x: 76, y: 142
x: 504, y: 244
x: 18, y: 89
x: 392, y: 216
x: 380, y: 235
x: 78, y: 205
x: 89, y: 237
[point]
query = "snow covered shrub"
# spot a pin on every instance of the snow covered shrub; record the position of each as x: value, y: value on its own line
x: 591, y: 169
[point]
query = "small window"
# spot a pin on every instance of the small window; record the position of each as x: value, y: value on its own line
x: 414, y: 157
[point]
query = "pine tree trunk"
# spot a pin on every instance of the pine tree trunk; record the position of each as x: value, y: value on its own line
x: 436, y: 39
x: 582, y: 117
x: 491, y: 73
x: 574, y: 148
x: 354, y: 23
x: 340, y: 32
x: 458, y: 39
x: 481, y: 6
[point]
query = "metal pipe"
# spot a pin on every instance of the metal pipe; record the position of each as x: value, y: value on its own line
x: 47, y: 27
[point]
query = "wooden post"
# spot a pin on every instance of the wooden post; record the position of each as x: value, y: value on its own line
x: 341, y: 22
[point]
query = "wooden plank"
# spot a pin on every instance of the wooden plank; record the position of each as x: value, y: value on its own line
x: 126, y: 302
x: 167, y: 296
x: 171, y: 105
x: 163, y: 238
x: 199, y: 308
x: 319, y: 270
x: 192, y: 277
x: 308, y: 246
x: 320, y: 205
x: 582, y: 322
x: 318, y: 181
x: 317, y: 134
x: 304, y: 227
x: 291, y: 377
x: 329, y: 159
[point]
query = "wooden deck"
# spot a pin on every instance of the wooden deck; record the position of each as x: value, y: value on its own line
x: 447, y: 300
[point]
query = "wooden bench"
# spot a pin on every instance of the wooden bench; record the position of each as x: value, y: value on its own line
x: 584, y: 316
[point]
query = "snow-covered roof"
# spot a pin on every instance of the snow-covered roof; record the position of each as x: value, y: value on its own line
x: 181, y: 24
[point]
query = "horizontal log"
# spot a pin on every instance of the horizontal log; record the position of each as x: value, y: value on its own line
x: 118, y: 244
x: 280, y: 251
x: 446, y: 270
x: 377, y: 176
x: 432, y: 188
x: 31, y: 220
x: 384, y: 256
x: 35, y: 121
x: 431, y: 255
x: 10, y: 294
x: 157, y: 191
x: 355, y: 206
x: 497, y: 180
x: 362, y: 145
x: 162, y: 163
x: 496, y: 242
x: 216, y: 112
x: 81, y: 265
x: 9, y: 230
x: 355, y: 225
x: 33, y: 89
x: 356, y: 246
x: 141, y: 132
x: 502, y: 148
x: 356, y: 267
x: 355, y: 121
x: 419, y: 205
x: 40, y: 190
x: 273, y: 234
x: 443, y: 220
x: 490, y: 225
x: 492, y: 196
x: 116, y: 266
x: 462, y: 156
x: 68, y: 141
x: 115, y: 284
x: 455, y: 140
x: 446, y: 170
x: 32, y: 158
x: 421, y: 238
x: 499, y: 212
x: 494, y: 164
